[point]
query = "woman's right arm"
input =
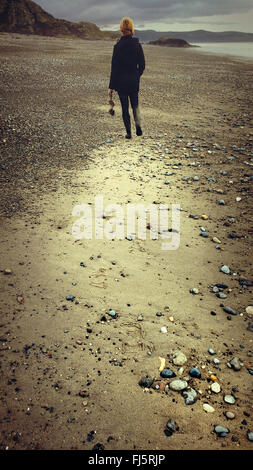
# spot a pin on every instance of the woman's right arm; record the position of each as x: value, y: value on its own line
x: 112, y: 83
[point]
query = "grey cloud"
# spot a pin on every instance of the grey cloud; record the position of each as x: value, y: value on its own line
x: 110, y: 12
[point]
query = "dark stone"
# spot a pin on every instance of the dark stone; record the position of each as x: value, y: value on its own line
x: 167, y: 374
x: 171, y: 427
x: 70, y: 297
x: 146, y: 382
x: 98, y: 446
x: 194, y: 372
x: 245, y: 282
x: 90, y: 436
x: 229, y: 310
x: 221, y: 286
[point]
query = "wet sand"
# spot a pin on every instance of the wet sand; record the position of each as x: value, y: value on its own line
x: 69, y: 371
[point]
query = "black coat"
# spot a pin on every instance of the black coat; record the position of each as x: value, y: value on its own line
x: 128, y: 64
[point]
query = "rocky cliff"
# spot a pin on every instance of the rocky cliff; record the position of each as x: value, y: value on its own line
x: 25, y: 16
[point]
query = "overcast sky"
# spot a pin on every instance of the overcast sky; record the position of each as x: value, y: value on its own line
x: 162, y: 15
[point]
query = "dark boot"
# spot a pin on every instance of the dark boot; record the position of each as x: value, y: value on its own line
x: 127, y: 122
x: 137, y: 118
x: 138, y: 130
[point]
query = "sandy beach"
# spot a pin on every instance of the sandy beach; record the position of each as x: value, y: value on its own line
x: 81, y: 319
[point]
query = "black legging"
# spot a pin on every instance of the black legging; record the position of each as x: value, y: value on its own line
x: 124, y: 99
x: 134, y: 100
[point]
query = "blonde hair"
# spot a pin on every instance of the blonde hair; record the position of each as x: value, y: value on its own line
x: 127, y: 26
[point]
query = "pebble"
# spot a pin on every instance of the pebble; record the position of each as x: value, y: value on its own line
x: 221, y: 431
x: 194, y: 372
x: 158, y: 385
x: 204, y: 234
x: 194, y: 290
x: 112, y: 313
x: 216, y: 240
x: 229, y: 310
x: 190, y: 395
x: 146, y: 381
x: 208, y: 408
x: 229, y: 415
x: 221, y: 295
x: 163, y: 329
x: 180, y: 359
x: 211, y: 351
x: 250, y: 435
x: 7, y: 271
x: 70, y: 297
x: 171, y: 427
x: 216, y: 361
x: 178, y: 385
x: 229, y: 399
x: 250, y: 326
x: 215, y: 387
x: 221, y: 202
x: 180, y: 371
x: 235, y: 364
x: 221, y: 286
x: 167, y: 373
x: 249, y: 310
x: 225, y: 269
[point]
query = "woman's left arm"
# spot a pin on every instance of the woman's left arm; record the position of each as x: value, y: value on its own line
x: 141, y: 59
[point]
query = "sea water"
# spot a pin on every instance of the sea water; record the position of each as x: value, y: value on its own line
x: 236, y: 49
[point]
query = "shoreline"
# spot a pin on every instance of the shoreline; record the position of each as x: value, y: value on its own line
x: 246, y: 59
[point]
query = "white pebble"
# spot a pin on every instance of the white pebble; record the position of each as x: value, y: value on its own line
x: 215, y: 387
x: 163, y: 329
x: 208, y: 408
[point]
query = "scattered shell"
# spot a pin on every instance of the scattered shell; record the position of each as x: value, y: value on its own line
x: 162, y: 365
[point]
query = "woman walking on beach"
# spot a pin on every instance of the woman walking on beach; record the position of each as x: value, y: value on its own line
x: 128, y: 64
